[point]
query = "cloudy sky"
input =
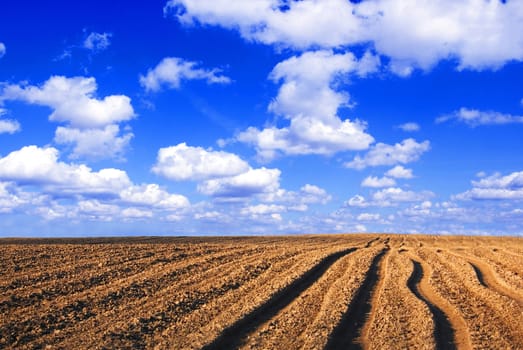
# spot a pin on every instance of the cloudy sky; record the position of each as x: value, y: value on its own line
x: 261, y: 117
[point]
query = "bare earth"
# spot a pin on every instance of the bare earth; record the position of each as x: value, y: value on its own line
x: 302, y: 292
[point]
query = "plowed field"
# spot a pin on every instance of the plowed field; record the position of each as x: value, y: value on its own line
x: 303, y: 292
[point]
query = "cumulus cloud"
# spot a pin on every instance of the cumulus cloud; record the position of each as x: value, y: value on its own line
x: 396, y: 194
x: 33, y: 165
x: 264, y: 21
x: 298, y: 200
x: 152, y: 195
x: 209, y: 215
x: 399, y: 172
x: 309, y: 101
x: 94, y: 143
x: 97, y: 41
x: 8, y: 126
x: 496, y: 186
x: 407, y: 151
x: 251, y: 182
x: 358, y: 201
x: 73, y: 101
x: 91, y: 123
x: 411, y: 33
x: 103, y: 195
x: 375, y: 182
x: 474, y: 117
x: 2, y: 50
x: 12, y: 197
x: 419, y: 210
x: 262, y: 209
x: 182, y: 162
x: 314, y: 194
x: 387, y: 197
x: 171, y: 71
x: 263, y: 212
x: 409, y: 127
x: 135, y: 213
x: 93, y: 209
x: 368, y: 217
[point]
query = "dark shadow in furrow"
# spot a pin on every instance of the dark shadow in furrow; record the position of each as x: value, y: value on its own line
x: 369, y: 243
x: 479, y: 275
x: 235, y: 335
x: 443, y: 331
x: 345, y: 335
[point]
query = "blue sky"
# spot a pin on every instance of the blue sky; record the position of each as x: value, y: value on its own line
x: 261, y: 117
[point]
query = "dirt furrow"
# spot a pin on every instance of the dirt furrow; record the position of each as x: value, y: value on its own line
x: 300, y: 292
x: 151, y: 318
x: 71, y: 292
x: 81, y: 307
x: 444, y: 332
x: 505, y: 265
x: 235, y: 335
x: 175, y: 305
x: 492, y: 320
x: 488, y: 278
x: 336, y: 299
x: 398, y: 320
x: 179, y: 293
x: 213, y: 318
x: 303, y: 320
x: 347, y: 332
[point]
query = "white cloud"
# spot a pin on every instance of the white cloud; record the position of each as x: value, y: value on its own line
x: 358, y: 201
x: 298, y: 200
x: 360, y: 228
x: 412, y: 33
x: 209, y: 216
x: 9, y: 126
x: 2, y: 50
x: 154, y: 196
x: 420, y: 211
x: 32, y: 165
x: 368, y: 217
x: 94, y: 143
x: 100, y: 195
x: 262, y: 209
x: 382, y: 154
x: 409, y: 127
x: 496, y: 186
x: 97, y: 41
x: 135, y: 213
x: 511, y: 181
x: 308, y: 100
x: 171, y: 71
x: 182, y: 162
x: 375, y: 182
x: 474, y: 117
x: 93, y: 209
x: 313, y: 194
x: 399, y: 172
x: 12, y: 197
x: 481, y: 174
x: 91, y: 123
x: 387, y: 197
x: 254, y: 181
x: 73, y: 101
x: 261, y: 20
x: 396, y: 194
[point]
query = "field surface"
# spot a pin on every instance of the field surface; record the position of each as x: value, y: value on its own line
x: 303, y: 292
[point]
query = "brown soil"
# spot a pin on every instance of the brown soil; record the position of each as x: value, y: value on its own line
x: 301, y: 292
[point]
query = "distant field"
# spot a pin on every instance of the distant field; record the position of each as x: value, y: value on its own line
x: 311, y: 292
